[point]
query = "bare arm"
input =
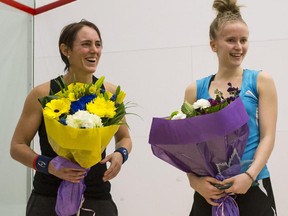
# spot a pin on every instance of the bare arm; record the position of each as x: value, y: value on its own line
x: 191, y: 93
x: 202, y: 184
x: 122, y: 139
x: 267, y: 125
x: 26, y: 129
x: 267, y: 122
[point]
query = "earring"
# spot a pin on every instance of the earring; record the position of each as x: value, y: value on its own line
x: 68, y: 56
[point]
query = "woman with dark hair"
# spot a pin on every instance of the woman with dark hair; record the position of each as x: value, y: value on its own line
x: 251, y: 188
x: 80, y: 46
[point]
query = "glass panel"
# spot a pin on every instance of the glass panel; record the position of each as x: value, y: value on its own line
x: 16, y: 71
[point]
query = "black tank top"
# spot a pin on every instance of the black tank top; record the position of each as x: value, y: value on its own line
x: 48, y: 184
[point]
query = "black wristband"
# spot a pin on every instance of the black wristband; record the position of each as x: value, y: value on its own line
x: 248, y: 174
x: 42, y: 163
x: 124, y: 153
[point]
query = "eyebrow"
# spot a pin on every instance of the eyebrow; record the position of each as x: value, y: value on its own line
x: 90, y: 41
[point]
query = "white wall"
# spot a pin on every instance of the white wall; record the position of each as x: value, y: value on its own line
x: 154, y: 49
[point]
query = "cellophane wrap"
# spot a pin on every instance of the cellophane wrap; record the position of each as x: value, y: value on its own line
x: 81, y: 146
x: 206, y: 145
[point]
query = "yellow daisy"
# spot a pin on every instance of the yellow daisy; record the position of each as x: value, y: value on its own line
x: 100, y: 107
x: 56, y: 108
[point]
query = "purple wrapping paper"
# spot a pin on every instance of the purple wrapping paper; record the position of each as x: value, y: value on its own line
x: 206, y: 145
x: 70, y: 195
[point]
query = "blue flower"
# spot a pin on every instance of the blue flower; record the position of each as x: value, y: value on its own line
x: 81, y: 103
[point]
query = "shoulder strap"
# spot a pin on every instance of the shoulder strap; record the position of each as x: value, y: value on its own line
x: 54, y: 84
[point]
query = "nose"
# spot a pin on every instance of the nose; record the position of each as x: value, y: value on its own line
x: 238, y: 45
x: 95, y: 48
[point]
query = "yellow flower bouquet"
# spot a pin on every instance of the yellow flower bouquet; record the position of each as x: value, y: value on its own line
x: 81, y: 119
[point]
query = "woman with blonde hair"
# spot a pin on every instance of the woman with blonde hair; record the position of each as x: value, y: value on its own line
x: 251, y: 189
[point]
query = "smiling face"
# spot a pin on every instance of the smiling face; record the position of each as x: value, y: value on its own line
x: 85, y: 52
x: 231, y: 44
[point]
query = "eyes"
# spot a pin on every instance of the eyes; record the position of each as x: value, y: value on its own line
x: 89, y: 44
x: 236, y: 40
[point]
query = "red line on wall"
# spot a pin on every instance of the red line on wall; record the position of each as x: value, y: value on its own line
x: 52, y: 6
x: 35, y: 11
x: 19, y: 6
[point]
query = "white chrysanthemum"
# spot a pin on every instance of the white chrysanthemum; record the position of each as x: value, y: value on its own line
x: 179, y: 115
x: 201, y: 103
x: 83, y: 119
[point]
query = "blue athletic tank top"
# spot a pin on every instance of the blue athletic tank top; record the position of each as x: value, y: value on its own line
x: 249, y: 96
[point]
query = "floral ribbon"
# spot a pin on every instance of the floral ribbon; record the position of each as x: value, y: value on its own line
x: 227, y: 207
x: 69, y: 195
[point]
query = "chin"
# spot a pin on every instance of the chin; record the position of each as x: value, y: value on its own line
x: 91, y: 70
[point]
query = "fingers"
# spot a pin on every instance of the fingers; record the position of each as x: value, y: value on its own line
x: 76, y: 176
x: 106, y: 159
x: 71, y: 174
x: 213, y: 180
x: 214, y: 197
x: 212, y: 203
x: 115, y: 166
x: 112, y: 171
x: 241, y: 184
x: 110, y: 174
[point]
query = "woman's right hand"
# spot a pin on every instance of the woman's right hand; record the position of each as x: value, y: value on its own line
x: 203, y: 185
x: 73, y: 175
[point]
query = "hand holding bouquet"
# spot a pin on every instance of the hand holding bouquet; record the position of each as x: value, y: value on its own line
x: 80, y: 121
x: 206, y: 138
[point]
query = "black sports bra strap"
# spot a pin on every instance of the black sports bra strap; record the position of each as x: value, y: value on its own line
x: 54, y: 84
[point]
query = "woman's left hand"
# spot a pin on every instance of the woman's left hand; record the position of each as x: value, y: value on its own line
x: 240, y: 184
x: 115, y: 160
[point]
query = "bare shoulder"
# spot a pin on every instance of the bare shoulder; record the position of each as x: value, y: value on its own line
x: 191, y: 92
x: 265, y: 84
x: 110, y: 87
x: 38, y: 92
x: 264, y: 75
x: 264, y: 79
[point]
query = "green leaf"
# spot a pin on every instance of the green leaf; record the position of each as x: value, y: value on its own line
x: 99, y: 82
x: 44, y: 100
x: 188, y: 109
x: 173, y: 114
x: 117, y: 90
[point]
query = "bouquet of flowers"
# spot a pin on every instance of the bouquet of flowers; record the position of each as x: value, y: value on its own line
x: 206, y: 138
x: 80, y: 121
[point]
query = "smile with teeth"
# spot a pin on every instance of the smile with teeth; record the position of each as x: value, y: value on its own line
x: 236, y: 55
x: 92, y: 60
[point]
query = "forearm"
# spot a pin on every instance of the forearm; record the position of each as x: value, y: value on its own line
x: 192, y: 180
x: 261, y: 156
x: 23, y: 153
x: 124, y: 142
x: 123, y: 139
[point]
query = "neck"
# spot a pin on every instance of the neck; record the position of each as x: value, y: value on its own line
x: 228, y: 73
x: 70, y: 77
